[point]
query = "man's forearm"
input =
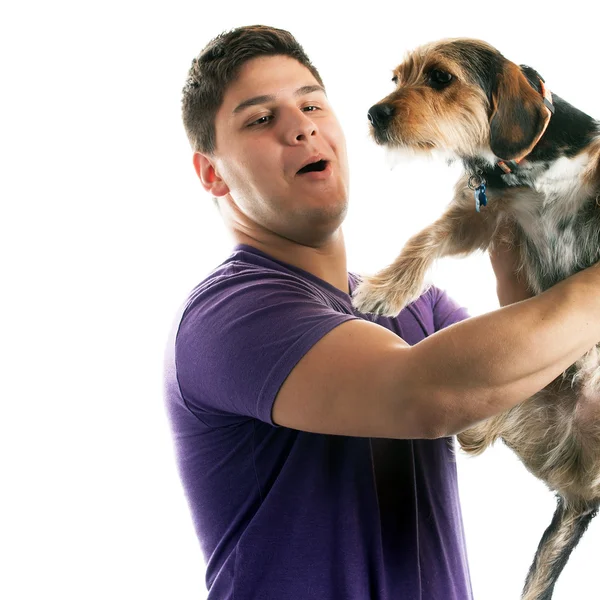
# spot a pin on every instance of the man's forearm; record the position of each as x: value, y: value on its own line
x: 485, y: 365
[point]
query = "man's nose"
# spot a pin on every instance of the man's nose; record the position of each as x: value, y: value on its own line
x: 301, y: 129
x: 380, y: 115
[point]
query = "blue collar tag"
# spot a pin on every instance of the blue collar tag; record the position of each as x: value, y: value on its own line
x: 480, y: 197
x: 477, y: 183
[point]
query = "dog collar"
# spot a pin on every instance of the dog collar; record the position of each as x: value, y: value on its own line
x: 509, y: 166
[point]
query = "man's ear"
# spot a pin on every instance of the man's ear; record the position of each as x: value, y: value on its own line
x: 209, y: 176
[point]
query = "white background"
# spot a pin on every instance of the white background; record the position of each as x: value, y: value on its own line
x: 105, y: 229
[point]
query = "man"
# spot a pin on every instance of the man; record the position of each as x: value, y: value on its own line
x: 314, y: 441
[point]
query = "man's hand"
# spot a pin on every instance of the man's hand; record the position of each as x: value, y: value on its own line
x: 504, y: 256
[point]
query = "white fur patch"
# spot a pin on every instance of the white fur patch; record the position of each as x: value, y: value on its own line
x: 563, y: 182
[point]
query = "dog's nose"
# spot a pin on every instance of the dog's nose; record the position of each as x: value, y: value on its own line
x: 381, y: 114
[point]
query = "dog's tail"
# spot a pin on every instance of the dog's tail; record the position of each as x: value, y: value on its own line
x: 557, y: 543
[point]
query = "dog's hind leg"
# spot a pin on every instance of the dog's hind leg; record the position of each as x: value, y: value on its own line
x: 557, y: 543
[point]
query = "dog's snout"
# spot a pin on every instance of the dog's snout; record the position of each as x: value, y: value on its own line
x: 380, y: 115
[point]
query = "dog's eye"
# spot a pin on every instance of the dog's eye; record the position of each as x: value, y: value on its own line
x: 439, y: 79
x: 395, y: 79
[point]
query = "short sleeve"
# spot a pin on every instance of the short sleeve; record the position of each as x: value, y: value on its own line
x: 239, y: 339
x: 446, y: 311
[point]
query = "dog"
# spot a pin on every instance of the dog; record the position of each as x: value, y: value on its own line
x: 532, y: 167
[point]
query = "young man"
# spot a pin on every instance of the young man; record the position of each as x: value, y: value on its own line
x: 312, y: 440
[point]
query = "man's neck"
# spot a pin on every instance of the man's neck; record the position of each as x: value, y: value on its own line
x: 327, y: 261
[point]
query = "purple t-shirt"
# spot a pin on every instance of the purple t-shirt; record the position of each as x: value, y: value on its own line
x: 283, y: 514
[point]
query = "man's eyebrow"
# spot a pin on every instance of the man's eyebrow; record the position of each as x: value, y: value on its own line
x: 305, y: 89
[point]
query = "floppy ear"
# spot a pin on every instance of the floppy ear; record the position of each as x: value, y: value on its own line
x: 518, y: 115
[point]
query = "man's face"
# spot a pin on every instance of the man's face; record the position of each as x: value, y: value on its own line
x: 274, y: 120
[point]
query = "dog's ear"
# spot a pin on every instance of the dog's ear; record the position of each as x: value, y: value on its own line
x: 518, y: 114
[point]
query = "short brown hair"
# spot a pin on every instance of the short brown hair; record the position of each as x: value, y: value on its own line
x: 218, y: 65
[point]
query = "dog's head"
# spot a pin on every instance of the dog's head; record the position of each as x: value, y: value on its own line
x: 461, y: 96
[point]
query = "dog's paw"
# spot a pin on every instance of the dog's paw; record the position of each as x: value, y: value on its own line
x: 380, y: 296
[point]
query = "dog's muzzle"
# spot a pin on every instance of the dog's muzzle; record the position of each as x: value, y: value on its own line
x: 380, y: 116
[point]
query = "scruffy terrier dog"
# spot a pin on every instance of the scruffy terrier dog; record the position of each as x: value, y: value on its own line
x: 531, y: 161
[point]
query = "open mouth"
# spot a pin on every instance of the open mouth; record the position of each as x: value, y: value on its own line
x: 320, y: 165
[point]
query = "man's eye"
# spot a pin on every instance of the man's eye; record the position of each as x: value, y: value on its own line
x: 310, y: 108
x: 261, y: 120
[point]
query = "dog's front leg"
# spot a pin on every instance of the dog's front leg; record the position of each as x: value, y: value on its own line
x: 461, y: 230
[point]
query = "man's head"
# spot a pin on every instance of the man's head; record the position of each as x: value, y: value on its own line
x: 256, y: 113
x: 218, y: 65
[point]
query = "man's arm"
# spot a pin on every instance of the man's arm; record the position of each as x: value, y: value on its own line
x: 362, y: 380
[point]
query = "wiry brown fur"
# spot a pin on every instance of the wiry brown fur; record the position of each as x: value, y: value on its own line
x: 556, y: 433
x: 431, y: 121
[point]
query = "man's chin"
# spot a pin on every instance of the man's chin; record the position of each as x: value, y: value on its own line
x: 319, y: 224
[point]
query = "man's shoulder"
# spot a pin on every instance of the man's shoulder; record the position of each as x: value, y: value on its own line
x: 243, y: 330
x: 247, y: 276
x: 250, y: 290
